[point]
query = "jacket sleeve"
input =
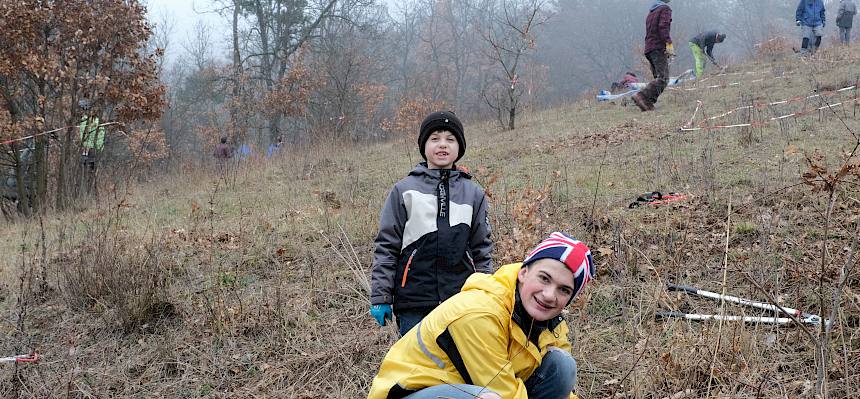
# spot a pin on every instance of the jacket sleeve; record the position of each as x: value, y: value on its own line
x: 823, y: 19
x: 481, y: 240
x: 665, y: 24
x: 798, y: 15
x: 483, y: 347
x: 387, y: 248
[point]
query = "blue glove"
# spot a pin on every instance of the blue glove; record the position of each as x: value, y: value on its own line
x: 381, y: 313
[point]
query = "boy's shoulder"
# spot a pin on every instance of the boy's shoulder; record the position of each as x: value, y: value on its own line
x: 426, y: 180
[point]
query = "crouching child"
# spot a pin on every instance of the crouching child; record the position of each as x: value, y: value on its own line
x: 502, y: 336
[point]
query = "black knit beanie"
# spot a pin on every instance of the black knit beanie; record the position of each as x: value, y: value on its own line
x: 442, y: 120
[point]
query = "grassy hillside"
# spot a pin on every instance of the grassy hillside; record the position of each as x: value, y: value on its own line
x: 257, y: 286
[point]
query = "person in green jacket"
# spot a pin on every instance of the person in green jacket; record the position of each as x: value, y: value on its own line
x: 91, y: 134
x: 502, y: 336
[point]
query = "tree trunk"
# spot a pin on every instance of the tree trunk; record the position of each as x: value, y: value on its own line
x: 39, y: 173
x: 38, y: 167
x: 20, y: 181
x: 266, y: 60
x: 237, y: 75
x: 62, y: 175
x: 512, y: 106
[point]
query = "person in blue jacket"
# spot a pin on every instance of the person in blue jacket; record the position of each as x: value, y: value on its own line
x: 810, y: 17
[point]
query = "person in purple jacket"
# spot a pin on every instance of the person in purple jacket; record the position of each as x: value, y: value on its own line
x: 658, y: 49
x: 222, y: 154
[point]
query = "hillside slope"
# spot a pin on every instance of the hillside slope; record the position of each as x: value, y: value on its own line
x: 257, y: 286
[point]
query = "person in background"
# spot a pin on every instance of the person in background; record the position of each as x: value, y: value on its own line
x: 274, y: 147
x: 702, y: 45
x: 223, y: 153
x: 91, y: 134
x: 245, y: 152
x: 845, y: 19
x: 625, y: 82
x: 810, y: 17
x: 658, y: 49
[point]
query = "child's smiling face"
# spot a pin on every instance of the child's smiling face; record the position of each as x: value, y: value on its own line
x: 546, y: 287
x: 441, y: 150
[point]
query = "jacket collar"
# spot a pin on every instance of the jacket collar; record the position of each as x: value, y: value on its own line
x: 503, y: 285
x: 422, y: 170
x: 532, y: 328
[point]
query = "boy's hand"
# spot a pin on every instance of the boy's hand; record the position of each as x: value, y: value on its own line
x: 381, y: 313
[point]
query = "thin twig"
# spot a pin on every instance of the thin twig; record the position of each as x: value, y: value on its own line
x: 636, y: 363
x: 596, y: 188
x: 722, y: 299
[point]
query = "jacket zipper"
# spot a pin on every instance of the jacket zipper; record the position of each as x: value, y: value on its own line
x: 406, y: 269
x: 471, y: 261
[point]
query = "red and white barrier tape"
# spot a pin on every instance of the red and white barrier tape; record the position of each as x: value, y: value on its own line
x: 10, y: 141
x: 723, y: 85
x: 701, y: 124
x: 768, y: 121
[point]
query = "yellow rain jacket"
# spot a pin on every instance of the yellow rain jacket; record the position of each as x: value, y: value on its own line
x: 469, y: 339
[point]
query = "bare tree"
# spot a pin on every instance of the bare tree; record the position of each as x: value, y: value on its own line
x: 511, y: 38
x: 348, y: 64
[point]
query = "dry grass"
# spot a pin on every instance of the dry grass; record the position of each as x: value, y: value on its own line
x: 264, y: 275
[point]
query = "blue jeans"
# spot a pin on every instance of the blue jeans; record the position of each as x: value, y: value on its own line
x: 553, y: 379
x: 409, y: 318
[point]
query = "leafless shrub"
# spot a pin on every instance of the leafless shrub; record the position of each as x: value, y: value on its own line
x: 519, y: 223
x: 116, y: 276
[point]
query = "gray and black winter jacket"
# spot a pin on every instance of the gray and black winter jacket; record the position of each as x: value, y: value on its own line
x: 845, y: 15
x: 433, y: 233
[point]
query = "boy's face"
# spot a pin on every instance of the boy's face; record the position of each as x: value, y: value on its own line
x: 545, y: 288
x: 441, y: 149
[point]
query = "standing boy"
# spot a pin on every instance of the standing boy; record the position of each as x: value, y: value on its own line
x: 433, y: 232
x: 502, y: 336
x: 658, y: 49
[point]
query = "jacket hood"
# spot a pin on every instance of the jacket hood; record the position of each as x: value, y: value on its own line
x: 422, y: 170
x: 657, y: 4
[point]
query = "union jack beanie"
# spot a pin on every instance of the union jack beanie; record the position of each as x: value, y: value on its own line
x: 574, y: 254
